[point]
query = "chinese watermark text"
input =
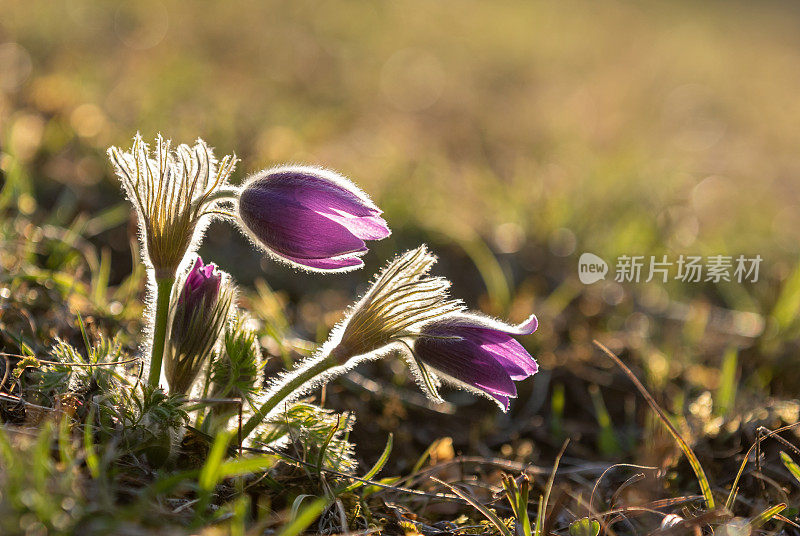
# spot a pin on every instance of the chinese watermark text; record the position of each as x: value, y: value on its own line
x: 662, y: 268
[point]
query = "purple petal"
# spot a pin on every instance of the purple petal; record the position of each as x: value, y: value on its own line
x: 478, y: 321
x: 508, y: 352
x: 478, y: 351
x: 202, y: 283
x: 466, y: 362
x: 504, y: 401
x: 517, y: 362
x: 312, y: 217
x: 364, y: 227
x: 207, y: 270
x: 525, y: 328
x: 292, y: 230
x: 194, y: 278
x: 198, y: 296
x: 319, y: 190
x: 334, y: 196
x: 335, y: 264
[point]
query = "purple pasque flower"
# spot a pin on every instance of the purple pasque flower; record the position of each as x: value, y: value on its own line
x: 477, y: 353
x: 310, y: 217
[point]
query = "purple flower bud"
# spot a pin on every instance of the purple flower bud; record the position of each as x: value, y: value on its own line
x: 201, y: 287
x: 477, y: 353
x: 310, y: 217
x: 198, y: 317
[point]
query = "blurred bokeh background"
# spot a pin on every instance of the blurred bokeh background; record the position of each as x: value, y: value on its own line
x: 510, y: 136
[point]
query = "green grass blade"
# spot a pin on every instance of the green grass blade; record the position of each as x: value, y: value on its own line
x: 304, y: 519
x: 537, y: 529
x: 65, y: 449
x: 607, y: 439
x: 791, y: 465
x: 522, y: 517
x: 210, y: 473
x: 702, y: 479
x: 766, y: 515
x: 726, y: 394
x: 100, y: 279
x: 787, y: 306
x: 40, y: 453
x: 168, y: 483
x: 497, y: 285
x: 557, y: 404
x: 245, y: 466
x: 7, y: 454
x: 85, y: 336
x: 512, y: 492
x: 488, y: 514
x: 324, y: 448
x: 735, y: 485
x: 548, y: 489
x: 375, y: 468
x: 92, y: 461
x: 107, y: 219
x: 424, y: 456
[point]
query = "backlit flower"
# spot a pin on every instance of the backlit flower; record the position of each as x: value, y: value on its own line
x: 310, y: 217
x: 477, y: 353
x: 174, y: 193
x: 402, y: 298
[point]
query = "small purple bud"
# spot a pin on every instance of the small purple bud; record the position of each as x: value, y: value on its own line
x: 310, y: 217
x: 478, y: 353
x: 201, y: 287
x: 198, y: 317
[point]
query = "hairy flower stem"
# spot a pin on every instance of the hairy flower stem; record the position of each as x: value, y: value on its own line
x: 290, y: 387
x: 163, y: 292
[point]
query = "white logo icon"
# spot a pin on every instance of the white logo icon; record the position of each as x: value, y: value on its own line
x: 591, y: 268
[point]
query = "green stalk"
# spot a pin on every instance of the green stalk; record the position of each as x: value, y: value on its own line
x: 287, y: 386
x: 163, y: 292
